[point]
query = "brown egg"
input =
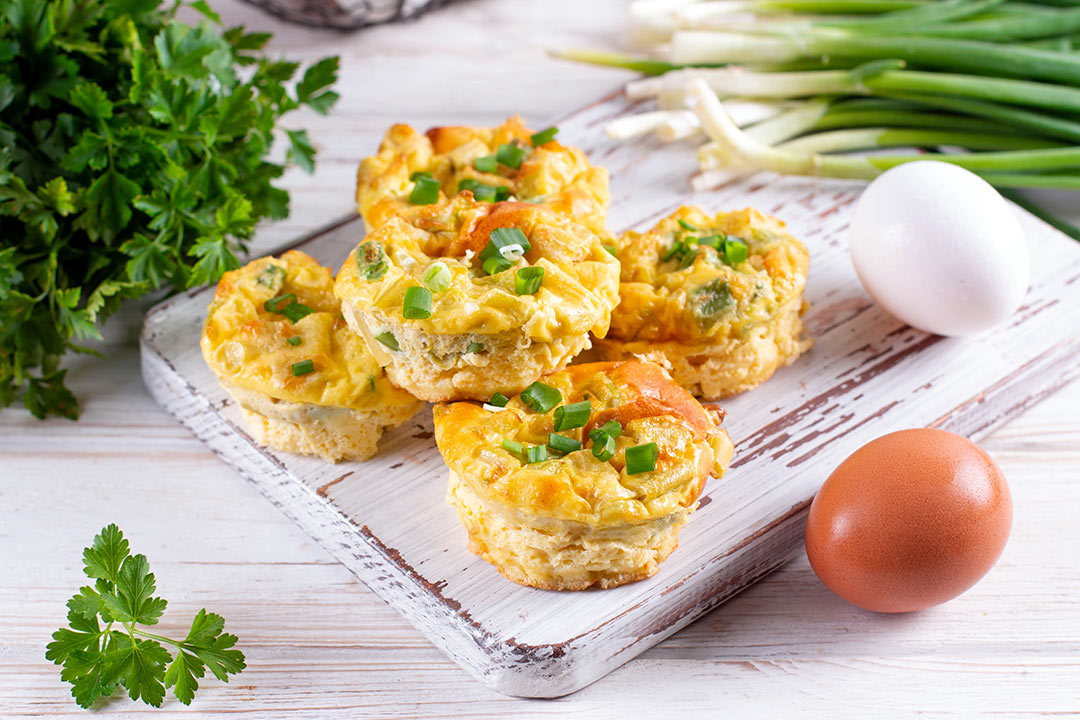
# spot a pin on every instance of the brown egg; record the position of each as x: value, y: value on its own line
x: 909, y: 521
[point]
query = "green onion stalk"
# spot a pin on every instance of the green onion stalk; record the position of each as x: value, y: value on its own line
x: 1007, y: 168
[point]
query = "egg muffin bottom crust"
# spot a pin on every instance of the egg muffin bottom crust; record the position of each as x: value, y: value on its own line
x: 565, y: 555
x: 332, y: 433
x: 722, y: 369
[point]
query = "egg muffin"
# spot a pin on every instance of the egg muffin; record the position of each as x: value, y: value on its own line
x: 585, y: 478
x: 720, y: 298
x: 507, y: 162
x: 464, y: 299
x: 277, y: 342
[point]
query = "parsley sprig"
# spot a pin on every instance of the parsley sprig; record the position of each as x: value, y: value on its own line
x: 103, y: 646
x: 133, y: 156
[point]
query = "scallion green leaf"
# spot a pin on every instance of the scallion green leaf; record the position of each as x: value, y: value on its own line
x: 295, y: 311
x: 603, y: 448
x: 474, y: 347
x: 417, y: 304
x: 541, y: 397
x: 544, y: 136
x: 425, y: 191
x: 294, y: 340
x: 528, y: 280
x: 387, y: 338
x: 438, y: 277
x: 499, y: 400
x: 513, y: 446
x: 279, y: 303
x: 371, y: 260
x: 735, y: 251
x: 612, y: 428
x: 496, y: 264
x: 272, y: 276
x: 572, y: 416
x: 535, y: 454
x: 686, y: 226
x: 563, y: 444
x: 641, y: 458
x: 511, y: 155
x: 611, y: 250
x: 303, y: 367
x: 486, y: 164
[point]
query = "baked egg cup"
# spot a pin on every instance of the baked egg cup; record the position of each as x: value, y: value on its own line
x: 275, y: 338
x: 585, y: 478
x: 463, y: 299
x: 717, y: 299
x: 507, y: 162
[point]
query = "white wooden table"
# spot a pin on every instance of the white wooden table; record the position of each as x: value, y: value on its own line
x: 319, y: 644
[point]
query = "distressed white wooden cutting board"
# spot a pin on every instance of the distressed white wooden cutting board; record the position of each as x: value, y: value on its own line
x: 387, y: 521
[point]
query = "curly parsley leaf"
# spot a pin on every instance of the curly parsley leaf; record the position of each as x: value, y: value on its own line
x: 133, y: 156
x: 103, y: 646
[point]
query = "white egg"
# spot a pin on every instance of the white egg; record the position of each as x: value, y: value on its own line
x: 939, y: 248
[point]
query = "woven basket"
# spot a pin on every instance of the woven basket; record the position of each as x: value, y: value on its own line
x: 346, y: 14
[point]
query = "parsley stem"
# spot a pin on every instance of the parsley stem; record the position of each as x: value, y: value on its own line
x: 152, y: 636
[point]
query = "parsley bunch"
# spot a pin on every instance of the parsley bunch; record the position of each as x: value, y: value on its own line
x: 97, y: 657
x: 133, y: 154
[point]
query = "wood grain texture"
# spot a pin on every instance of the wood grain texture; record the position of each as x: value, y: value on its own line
x: 387, y: 521
x: 321, y: 645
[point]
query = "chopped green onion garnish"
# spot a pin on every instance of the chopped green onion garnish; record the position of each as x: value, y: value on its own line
x: 535, y: 454
x: 541, y: 397
x: 611, y: 250
x: 710, y: 299
x: 641, y: 458
x: 603, y: 446
x: 425, y: 191
x: 387, y: 338
x: 528, y: 280
x: 294, y: 340
x: 271, y: 276
x: 495, y: 265
x: 498, y: 240
x: 571, y: 416
x: 484, y: 193
x: 563, y: 444
x: 514, y: 447
x: 486, y: 164
x: 676, y: 247
x: 686, y: 226
x: 736, y: 251
x: 474, y: 347
x: 303, y: 367
x: 278, y: 304
x: 296, y: 311
x: 511, y: 155
x: 437, y: 278
x: 513, y: 253
x: 612, y: 428
x: 499, y: 400
x: 504, y: 237
x: 688, y: 257
x: 419, y: 174
x: 371, y: 260
x: 544, y: 136
x: 417, y: 304
x: 714, y: 241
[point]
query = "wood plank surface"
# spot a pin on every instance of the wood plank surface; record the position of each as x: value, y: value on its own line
x: 387, y: 520
x: 320, y: 644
